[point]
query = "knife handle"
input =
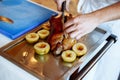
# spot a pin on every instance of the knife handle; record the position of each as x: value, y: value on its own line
x: 63, y: 6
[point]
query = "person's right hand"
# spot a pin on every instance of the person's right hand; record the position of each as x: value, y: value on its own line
x: 59, y: 4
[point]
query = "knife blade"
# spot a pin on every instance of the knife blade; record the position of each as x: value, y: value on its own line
x: 63, y: 16
x: 63, y: 11
x: 5, y: 19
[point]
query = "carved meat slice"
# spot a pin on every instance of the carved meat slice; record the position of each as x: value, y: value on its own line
x: 57, y: 39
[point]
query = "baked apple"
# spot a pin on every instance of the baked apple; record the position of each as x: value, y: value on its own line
x: 42, y: 48
x: 43, y: 33
x: 46, y: 26
x: 79, y: 48
x: 68, y: 56
x: 32, y: 37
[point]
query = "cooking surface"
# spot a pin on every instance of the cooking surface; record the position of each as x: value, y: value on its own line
x: 48, y: 66
x: 9, y: 69
x: 25, y: 16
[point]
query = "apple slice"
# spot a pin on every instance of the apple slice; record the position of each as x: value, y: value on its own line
x: 43, y: 33
x: 68, y: 56
x: 32, y: 37
x: 79, y: 48
x: 42, y: 48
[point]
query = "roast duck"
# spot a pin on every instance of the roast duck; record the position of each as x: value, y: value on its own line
x: 58, y: 39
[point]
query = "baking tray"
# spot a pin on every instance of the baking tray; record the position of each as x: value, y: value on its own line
x: 49, y: 67
x: 26, y: 15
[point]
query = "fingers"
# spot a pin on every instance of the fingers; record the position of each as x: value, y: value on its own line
x: 77, y: 34
x: 75, y: 29
x: 80, y: 35
x: 59, y: 4
x: 71, y: 29
x: 69, y: 23
x: 67, y: 5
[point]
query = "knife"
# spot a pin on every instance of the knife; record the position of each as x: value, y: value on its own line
x: 5, y: 19
x: 63, y: 16
x: 63, y: 11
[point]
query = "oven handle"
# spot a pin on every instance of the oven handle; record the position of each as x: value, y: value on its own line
x: 79, y: 75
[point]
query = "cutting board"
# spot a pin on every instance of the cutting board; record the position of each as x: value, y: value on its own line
x: 25, y: 14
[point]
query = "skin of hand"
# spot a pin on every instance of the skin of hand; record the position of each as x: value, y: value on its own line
x: 86, y: 23
x: 81, y: 25
x: 59, y: 4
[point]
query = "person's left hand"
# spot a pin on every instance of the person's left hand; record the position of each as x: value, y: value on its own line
x: 59, y: 4
x: 81, y: 25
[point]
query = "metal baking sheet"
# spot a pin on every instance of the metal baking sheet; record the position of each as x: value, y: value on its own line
x: 49, y: 67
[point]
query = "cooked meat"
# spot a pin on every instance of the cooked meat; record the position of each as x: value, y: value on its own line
x: 57, y: 39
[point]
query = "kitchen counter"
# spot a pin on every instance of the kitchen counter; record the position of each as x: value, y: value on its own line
x: 107, y: 68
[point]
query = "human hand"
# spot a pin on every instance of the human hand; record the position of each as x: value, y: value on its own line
x: 81, y: 25
x: 59, y: 4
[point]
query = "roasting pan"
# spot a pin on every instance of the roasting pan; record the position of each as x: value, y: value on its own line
x: 49, y: 67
